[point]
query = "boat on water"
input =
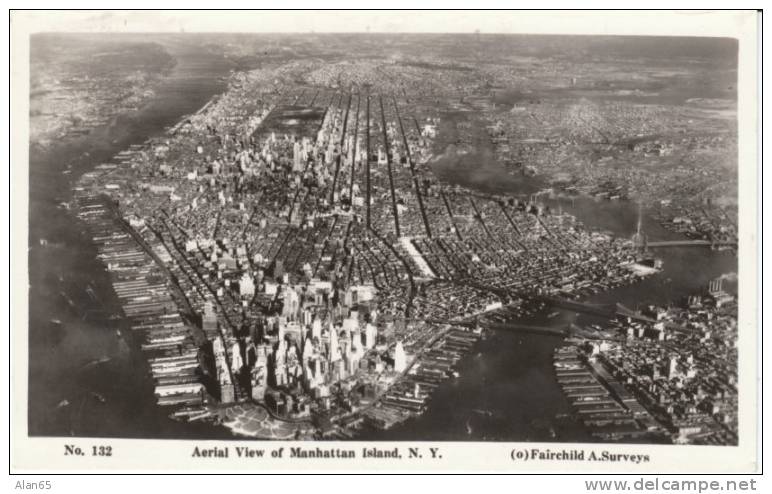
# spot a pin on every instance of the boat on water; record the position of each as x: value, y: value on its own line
x: 100, y: 360
x: 99, y: 397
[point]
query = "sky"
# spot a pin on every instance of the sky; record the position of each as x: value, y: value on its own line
x: 694, y: 23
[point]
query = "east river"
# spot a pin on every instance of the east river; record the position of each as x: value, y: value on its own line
x: 85, y: 381
x: 507, y: 389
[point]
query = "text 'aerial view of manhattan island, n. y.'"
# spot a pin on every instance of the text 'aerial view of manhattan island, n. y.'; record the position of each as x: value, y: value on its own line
x: 467, y: 237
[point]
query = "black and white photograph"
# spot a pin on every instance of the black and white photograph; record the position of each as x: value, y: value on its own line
x: 357, y: 239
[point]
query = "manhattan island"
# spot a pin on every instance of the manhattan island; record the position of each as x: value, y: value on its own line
x: 303, y: 453
x: 292, y: 267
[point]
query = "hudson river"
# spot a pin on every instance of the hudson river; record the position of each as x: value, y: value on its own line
x: 83, y: 379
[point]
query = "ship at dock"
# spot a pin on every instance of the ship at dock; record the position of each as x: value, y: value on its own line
x: 157, y: 326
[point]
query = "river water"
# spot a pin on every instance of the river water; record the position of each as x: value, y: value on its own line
x: 83, y: 379
x: 506, y: 391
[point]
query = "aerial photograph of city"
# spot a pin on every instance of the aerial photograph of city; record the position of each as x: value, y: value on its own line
x: 383, y: 237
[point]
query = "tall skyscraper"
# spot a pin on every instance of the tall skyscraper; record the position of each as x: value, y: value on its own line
x: 371, y: 334
x: 400, y: 360
x: 246, y: 286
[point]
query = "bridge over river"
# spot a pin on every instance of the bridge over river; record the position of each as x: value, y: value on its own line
x: 503, y: 326
x: 607, y: 311
x: 690, y: 243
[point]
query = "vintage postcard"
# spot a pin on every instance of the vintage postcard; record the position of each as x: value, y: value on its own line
x: 384, y: 241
